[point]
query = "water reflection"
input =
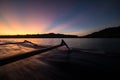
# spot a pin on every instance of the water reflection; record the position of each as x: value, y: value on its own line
x: 13, y: 49
x: 108, y: 45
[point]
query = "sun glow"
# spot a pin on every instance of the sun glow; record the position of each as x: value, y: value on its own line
x: 11, y: 25
x: 31, y: 20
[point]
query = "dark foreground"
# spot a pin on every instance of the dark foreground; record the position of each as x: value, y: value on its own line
x: 60, y: 64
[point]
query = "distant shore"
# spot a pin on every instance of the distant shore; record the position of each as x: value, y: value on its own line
x: 50, y: 35
x: 111, y: 32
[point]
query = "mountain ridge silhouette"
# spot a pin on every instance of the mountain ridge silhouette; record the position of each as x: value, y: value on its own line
x: 111, y: 32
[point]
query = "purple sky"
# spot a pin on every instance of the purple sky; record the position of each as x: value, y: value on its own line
x: 59, y: 16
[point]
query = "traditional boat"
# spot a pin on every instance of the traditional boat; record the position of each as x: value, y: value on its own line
x: 10, y: 59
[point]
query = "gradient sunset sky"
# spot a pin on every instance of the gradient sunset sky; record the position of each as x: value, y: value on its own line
x: 77, y: 17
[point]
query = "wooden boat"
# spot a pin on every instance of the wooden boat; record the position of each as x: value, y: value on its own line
x: 7, y: 60
x: 56, y: 64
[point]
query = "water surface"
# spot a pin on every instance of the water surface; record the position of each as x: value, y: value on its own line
x: 101, y: 44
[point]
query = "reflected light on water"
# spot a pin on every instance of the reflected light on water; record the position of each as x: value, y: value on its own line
x: 13, y: 49
x: 109, y: 45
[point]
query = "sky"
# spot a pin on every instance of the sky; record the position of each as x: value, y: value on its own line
x: 76, y: 17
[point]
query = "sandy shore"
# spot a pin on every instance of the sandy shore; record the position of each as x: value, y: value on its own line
x: 59, y: 64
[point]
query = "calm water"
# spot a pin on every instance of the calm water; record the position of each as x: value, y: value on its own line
x: 108, y: 45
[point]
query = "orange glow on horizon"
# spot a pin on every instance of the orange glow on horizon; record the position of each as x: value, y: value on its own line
x: 11, y: 23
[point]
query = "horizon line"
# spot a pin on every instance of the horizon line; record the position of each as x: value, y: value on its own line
x: 33, y: 34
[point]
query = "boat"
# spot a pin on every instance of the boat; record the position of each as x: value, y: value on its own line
x: 10, y: 59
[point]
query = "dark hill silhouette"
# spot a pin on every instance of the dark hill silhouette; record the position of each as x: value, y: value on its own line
x: 112, y: 32
x: 49, y: 35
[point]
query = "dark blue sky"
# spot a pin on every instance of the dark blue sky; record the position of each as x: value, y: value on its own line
x: 59, y: 16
